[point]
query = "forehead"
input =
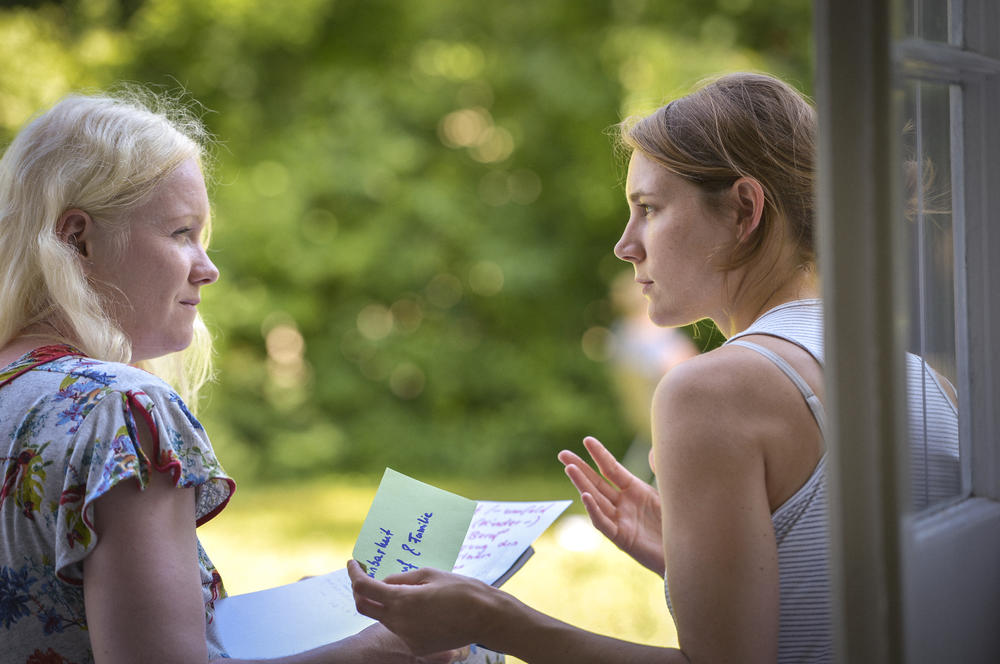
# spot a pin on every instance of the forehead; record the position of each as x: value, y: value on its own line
x: 647, y: 177
x: 181, y: 194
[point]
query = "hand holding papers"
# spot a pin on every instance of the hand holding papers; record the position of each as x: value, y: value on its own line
x: 486, y: 540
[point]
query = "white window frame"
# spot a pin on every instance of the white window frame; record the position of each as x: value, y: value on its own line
x: 923, y: 588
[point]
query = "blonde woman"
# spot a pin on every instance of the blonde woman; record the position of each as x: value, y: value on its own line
x: 720, y: 197
x: 105, y: 470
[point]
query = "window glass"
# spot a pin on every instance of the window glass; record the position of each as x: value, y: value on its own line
x: 931, y: 330
x: 928, y: 19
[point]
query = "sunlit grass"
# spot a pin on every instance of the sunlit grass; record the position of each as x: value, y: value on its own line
x: 275, y: 534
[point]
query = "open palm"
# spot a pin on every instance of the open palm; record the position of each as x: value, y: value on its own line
x: 620, y: 505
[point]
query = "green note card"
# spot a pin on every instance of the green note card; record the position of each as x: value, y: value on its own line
x: 412, y: 525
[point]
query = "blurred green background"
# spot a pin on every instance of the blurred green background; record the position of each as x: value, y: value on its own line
x: 415, y: 204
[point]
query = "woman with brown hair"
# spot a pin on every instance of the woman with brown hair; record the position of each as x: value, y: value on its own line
x: 720, y: 193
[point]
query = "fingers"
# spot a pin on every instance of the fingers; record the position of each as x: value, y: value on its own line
x: 601, y: 519
x: 577, y: 473
x: 602, y: 492
x: 601, y: 510
x: 370, y: 596
x: 354, y: 572
x: 607, y: 463
x: 568, y: 457
x: 412, y: 578
x: 370, y: 608
x: 588, y: 480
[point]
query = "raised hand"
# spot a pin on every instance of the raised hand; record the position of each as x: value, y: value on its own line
x: 620, y: 505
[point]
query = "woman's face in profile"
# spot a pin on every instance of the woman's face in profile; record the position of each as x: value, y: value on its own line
x: 154, y: 284
x: 673, y: 240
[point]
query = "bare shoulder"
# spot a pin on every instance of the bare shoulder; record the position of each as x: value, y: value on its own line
x: 732, y: 408
x: 731, y: 395
x: 726, y: 375
x: 708, y: 401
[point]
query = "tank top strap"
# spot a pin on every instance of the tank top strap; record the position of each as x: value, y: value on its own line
x: 815, y: 406
x: 799, y: 322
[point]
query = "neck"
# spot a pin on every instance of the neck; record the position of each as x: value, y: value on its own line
x: 33, y: 336
x: 44, y: 331
x: 802, y: 285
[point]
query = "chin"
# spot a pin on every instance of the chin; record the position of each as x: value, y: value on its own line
x: 662, y: 318
x: 149, y: 353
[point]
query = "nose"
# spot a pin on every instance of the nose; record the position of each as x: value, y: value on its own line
x: 204, y: 271
x: 629, y: 246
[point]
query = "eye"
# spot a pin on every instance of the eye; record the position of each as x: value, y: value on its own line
x: 186, y: 230
x: 646, y: 209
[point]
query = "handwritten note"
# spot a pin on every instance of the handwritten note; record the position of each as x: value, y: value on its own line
x: 500, y: 533
x: 411, y: 525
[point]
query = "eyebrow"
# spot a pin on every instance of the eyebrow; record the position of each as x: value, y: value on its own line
x: 179, y: 217
x: 636, y: 195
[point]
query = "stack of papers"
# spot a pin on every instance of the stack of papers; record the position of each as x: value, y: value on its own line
x: 410, y: 525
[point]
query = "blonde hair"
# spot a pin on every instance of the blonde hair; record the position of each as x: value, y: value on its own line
x: 743, y: 125
x: 103, y: 154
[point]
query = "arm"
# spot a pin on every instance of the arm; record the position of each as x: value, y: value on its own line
x: 142, y: 585
x: 372, y: 644
x: 623, y: 507
x: 719, y: 543
x: 432, y: 610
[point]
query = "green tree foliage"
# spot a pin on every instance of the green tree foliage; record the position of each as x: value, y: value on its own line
x: 415, y: 202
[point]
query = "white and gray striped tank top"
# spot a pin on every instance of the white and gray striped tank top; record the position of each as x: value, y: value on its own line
x: 801, y: 524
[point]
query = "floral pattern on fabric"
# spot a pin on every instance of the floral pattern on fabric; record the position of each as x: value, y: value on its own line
x: 68, y: 436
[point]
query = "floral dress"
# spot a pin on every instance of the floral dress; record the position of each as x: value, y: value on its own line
x: 67, y: 436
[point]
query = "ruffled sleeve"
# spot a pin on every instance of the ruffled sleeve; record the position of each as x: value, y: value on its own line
x: 106, y: 451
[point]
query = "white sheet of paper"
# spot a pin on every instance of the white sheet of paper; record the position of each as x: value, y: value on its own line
x: 289, y: 619
x: 500, y: 532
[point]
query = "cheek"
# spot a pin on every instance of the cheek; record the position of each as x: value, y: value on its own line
x: 668, y: 247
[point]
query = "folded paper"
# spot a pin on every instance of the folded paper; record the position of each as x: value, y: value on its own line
x: 412, y: 525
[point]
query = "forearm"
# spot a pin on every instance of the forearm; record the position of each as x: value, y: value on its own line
x: 328, y: 654
x: 352, y: 650
x: 538, y: 638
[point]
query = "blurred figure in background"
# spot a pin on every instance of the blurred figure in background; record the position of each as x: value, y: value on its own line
x: 640, y: 352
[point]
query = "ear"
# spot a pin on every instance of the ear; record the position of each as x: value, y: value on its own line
x: 749, y: 198
x: 74, y: 228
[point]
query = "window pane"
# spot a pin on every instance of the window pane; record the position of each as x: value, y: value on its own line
x: 931, y: 343
x: 928, y: 19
